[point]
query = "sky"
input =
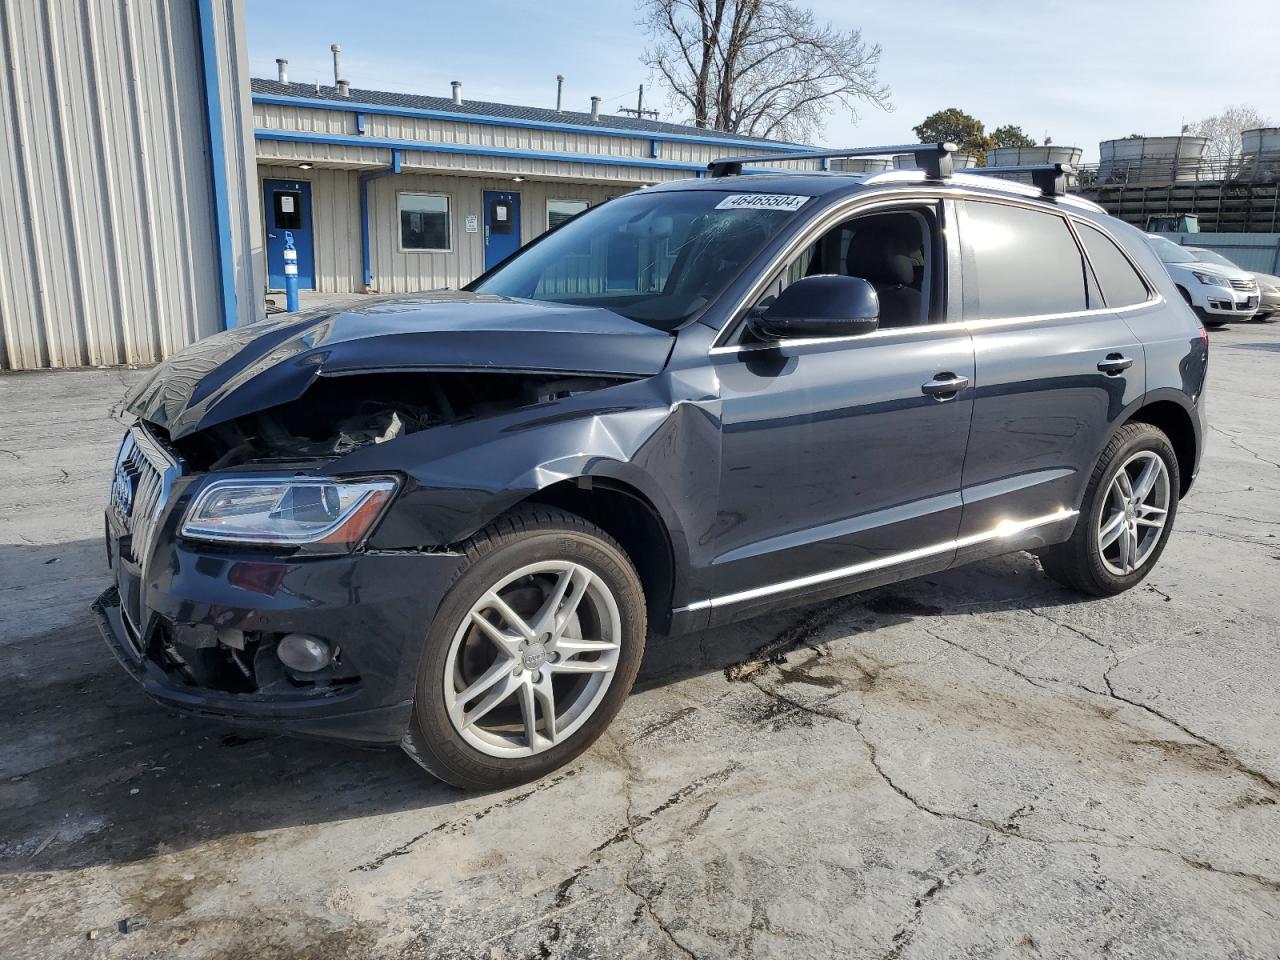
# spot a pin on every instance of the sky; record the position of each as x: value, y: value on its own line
x: 1078, y: 72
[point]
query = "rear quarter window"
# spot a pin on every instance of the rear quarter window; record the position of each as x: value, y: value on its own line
x: 1027, y: 263
x: 1121, y: 284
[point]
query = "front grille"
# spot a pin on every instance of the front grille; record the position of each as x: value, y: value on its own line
x: 139, y: 489
x: 1245, y: 285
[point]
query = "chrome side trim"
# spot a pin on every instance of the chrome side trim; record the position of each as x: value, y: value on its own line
x: 937, y: 329
x: 1007, y: 528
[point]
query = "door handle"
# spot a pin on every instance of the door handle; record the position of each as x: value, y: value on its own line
x: 1115, y: 364
x: 944, y: 386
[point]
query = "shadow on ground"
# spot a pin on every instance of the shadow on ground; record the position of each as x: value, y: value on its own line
x: 94, y: 772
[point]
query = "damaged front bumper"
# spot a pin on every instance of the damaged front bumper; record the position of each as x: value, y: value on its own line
x: 199, y: 636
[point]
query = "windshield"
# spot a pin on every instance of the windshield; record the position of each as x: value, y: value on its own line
x: 657, y: 258
x: 1170, y: 252
x: 1208, y: 256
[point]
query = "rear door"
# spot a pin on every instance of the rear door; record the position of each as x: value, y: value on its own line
x: 1055, y: 369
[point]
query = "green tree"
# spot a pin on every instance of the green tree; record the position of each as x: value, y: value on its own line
x: 1010, y: 135
x: 960, y: 128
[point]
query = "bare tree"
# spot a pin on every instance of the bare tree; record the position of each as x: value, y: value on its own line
x: 1223, y: 129
x: 766, y: 68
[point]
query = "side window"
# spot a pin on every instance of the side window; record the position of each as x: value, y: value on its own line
x: 1027, y: 262
x: 1121, y: 284
x: 893, y: 251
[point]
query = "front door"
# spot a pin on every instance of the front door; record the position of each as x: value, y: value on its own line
x: 501, y: 226
x: 841, y: 460
x: 288, y: 210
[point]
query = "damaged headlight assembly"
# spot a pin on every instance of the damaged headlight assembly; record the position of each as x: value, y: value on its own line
x: 330, y: 515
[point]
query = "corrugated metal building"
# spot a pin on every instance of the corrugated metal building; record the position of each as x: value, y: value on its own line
x: 395, y: 192
x: 129, y: 222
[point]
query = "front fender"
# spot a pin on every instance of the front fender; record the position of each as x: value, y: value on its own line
x: 461, y: 476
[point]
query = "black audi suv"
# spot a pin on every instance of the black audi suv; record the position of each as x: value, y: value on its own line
x: 450, y: 520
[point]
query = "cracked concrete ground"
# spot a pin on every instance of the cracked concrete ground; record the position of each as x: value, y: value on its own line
x: 979, y: 764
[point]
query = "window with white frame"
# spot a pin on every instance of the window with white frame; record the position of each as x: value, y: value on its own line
x: 424, y: 221
x: 558, y: 211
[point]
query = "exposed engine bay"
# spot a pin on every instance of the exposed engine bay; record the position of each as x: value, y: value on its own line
x: 340, y: 414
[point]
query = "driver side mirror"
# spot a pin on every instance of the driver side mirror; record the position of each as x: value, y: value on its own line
x: 820, y: 306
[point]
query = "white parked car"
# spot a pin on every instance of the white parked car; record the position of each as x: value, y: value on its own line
x: 1268, y: 285
x: 1217, y: 293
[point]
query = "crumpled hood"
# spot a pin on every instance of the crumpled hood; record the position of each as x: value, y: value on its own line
x: 264, y: 364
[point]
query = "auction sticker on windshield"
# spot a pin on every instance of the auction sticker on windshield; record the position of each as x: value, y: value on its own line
x: 762, y: 201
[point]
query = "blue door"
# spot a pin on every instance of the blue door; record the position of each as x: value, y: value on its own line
x: 501, y: 226
x: 288, y: 208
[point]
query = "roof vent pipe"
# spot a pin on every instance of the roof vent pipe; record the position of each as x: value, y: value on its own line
x: 282, y: 69
x: 344, y: 88
x: 457, y: 92
x: 337, y: 63
x: 595, y: 108
x: 559, y: 92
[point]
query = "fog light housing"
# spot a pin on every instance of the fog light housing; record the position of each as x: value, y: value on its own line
x: 302, y: 653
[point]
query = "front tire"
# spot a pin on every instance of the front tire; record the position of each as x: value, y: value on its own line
x: 1126, y: 518
x: 532, y: 652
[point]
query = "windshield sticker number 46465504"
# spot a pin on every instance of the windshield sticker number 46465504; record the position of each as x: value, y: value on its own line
x: 762, y: 201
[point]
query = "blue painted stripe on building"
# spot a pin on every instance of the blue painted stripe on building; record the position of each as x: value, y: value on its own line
x: 425, y: 146
x: 347, y: 106
x: 218, y: 165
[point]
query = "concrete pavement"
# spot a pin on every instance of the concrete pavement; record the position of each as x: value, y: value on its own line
x: 978, y: 764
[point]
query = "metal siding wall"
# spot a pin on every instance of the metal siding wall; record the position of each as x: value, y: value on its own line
x: 331, y: 121
x: 106, y: 207
x: 335, y: 215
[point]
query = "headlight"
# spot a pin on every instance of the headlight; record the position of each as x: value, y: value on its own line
x: 288, y: 511
x: 1212, y: 279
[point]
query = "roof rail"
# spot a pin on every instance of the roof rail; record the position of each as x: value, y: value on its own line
x: 933, y: 158
x: 1051, y: 178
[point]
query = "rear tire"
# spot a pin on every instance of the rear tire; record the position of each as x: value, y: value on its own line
x: 1116, y: 543
x: 546, y: 620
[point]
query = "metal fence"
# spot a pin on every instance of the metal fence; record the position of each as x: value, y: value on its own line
x: 1147, y: 170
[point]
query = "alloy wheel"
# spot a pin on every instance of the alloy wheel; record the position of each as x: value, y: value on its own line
x: 1134, y: 513
x: 532, y: 659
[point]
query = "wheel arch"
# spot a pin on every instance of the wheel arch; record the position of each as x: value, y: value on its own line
x: 631, y: 517
x: 1179, y: 425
